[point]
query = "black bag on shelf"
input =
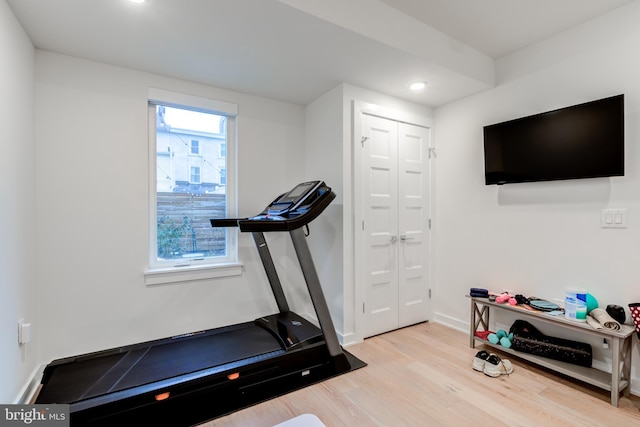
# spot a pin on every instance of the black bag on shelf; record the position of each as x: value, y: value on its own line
x: 528, y: 339
x: 479, y: 292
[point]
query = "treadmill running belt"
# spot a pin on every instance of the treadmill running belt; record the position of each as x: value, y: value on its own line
x: 156, y: 361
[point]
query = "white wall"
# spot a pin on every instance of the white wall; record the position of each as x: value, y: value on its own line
x: 92, y: 205
x: 323, y: 136
x: 539, y: 238
x: 18, y: 296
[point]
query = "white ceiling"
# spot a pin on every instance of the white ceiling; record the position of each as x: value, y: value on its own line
x: 500, y: 27
x: 296, y: 50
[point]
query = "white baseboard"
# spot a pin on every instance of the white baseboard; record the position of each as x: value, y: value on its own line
x: 29, y: 390
x: 344, y: 339
x: 349, y: 339
x: 451, y: 322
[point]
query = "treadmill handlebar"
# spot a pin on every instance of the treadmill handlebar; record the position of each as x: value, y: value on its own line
x: 225, y: 222
x: 283, y: 220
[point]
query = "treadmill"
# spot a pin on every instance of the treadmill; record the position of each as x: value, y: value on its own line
x: 192, y: 378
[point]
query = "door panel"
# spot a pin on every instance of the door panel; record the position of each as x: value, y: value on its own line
x: 413, y: 219
x: 381, y: 216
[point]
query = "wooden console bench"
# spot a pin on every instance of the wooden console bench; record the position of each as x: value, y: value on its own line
x: 620, y: 342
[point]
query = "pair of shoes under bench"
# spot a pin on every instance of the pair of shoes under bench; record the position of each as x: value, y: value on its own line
x: 491, y: 364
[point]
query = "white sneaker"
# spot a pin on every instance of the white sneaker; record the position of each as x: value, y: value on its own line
x: 494, y: 366
x: 479, y: 359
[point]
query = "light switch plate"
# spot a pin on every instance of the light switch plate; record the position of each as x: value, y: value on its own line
x: 613, y: 218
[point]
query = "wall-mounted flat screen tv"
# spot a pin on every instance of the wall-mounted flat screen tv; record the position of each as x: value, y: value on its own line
x: 581, y: 141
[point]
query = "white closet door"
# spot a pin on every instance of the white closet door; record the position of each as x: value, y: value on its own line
x: 394, y: 189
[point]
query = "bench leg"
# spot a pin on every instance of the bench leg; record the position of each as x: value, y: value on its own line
x: 479, y: 317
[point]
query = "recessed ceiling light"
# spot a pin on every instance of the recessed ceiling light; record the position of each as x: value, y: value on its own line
x: 137, y: 1
x: 416, y: 86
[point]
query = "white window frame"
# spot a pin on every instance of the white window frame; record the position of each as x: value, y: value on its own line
x: 188, y: 270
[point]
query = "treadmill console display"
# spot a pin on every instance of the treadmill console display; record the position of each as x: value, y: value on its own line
x: 291, y: 210
x: 300, y: 190
x: 292, y: 200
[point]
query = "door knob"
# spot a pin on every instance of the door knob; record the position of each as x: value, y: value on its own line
x: 403, y: 238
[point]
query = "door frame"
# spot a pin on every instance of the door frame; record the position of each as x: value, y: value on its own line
x: 359, y: 109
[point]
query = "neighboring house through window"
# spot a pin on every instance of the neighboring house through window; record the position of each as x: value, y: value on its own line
x: 189, y: 141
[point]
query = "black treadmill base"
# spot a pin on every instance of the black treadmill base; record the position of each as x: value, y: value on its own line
x: 202, y: 403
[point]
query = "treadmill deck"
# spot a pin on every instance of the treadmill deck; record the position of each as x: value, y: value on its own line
x: 97, y: 374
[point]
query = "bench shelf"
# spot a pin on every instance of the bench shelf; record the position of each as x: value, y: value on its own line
x: 615, y: 382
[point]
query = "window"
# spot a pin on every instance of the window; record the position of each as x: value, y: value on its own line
x: 195, y: 146
x: 194, y: 177
x: 189, y: 185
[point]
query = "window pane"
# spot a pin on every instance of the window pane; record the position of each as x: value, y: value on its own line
x: 190, y: 189
x: 195, y: 147
x: 195, y: 175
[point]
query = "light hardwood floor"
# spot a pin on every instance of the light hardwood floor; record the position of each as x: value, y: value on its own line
x: 422, y: 376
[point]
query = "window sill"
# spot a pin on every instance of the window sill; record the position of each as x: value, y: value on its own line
x: 162, y: 276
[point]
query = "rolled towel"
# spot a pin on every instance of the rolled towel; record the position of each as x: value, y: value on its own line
x: 594, y: 323
x: 603, y: 318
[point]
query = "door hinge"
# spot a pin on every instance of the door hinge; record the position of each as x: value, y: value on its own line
x: 429, y: 293
x: 363, y: 308
x: 432, y: 153
x: 429, y: 223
